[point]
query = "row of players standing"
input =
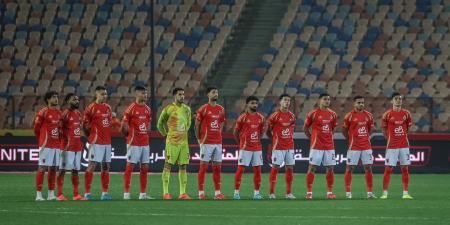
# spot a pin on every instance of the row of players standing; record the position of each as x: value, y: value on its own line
x: 60, y: 144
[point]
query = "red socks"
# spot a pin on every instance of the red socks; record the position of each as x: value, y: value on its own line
x: 143, y: 179
x: 60, y: 183
x: 330, y: 180
x: 126, y: 178
x: 289, y: 178
x: 105, y: 181
x: 238, y: 177
x: 201, y: 176
x: 75, y: 183
x: 309, y: 181
x: 348, y: 180
x: 51, y: 179
x: 88, y: 181
x: 39, y: 180
x: 369, y: 181
x: 257, y: 177
x: 217, y: 177
x: 273, y: 179
x: 387, y: 177
x: 405, y: 178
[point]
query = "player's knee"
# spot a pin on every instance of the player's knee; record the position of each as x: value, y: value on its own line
x: 167, y: 166
x: 368, y: 168
x: 312, y: 168
x: 290, y: 167
x: 330, y: 168
x: 144, y: 165
x: 75, y: 172
x: 183, y: 167
x: 105, y: 166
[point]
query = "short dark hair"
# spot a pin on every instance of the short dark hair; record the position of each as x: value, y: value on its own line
x: 140, y: 88
x: 251, y: 98
x: 324, y: 95
x: 284, y: 95
x: 176, y: 90
x: 100, y: 88
x: 48, y: 95
x: 210, y: 88
x: 357, y: 97
x: 68, y: 97
x: 395, y: 94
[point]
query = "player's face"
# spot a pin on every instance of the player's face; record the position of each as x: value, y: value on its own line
x: 359, y: 104
x: 101, y: 95
x: 253, y: 105
x: 213, y: 95
x: 179, y: 97
x: 142, y: 96
x: 53, y: 101
x: 74, y: 102
x: 285, y: 102
x: 325, y: 101
x: 397, y: 101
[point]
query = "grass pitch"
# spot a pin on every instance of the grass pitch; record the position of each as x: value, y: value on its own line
x: 431, y: 203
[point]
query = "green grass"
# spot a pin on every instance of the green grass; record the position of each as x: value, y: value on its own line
x: 430, y: 205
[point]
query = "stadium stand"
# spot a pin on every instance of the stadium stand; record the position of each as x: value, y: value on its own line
x: 75, y: 45
x: 368, y: 47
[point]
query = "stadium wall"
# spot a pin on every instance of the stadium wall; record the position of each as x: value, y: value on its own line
x: 430, y: 153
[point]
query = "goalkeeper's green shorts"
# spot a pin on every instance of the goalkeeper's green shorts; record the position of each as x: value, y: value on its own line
x: 177, y: 154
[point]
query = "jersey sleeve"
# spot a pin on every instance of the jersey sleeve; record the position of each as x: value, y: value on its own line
x: 38, y: 122
x: 239, y: 122
x: 87, y: 117
x: 385, y: 120
x: 347, y: 120
x: 189, y: 117
x: 199, y: 115
x: 271, y: 121
x: 309, y: 119
x: 261, y: 125
x: 371, y: 122
x: 409, y: 121
x: 335, y: 122
x: 162, y: 121
x: 222, y: 118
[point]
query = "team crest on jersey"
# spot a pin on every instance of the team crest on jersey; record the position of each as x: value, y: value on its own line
x: 209, y: 112
x: 50, y: 116
x: 98, y: 111
x: 320, y: 117
x: 71, y: 118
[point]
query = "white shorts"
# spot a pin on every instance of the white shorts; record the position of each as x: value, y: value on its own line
x: 70, y: 160
x: 100, y: 153
x: 322, y: 157
x: 395, y: 155
x: 353, y: 157
x: 283, y: 156
x: 138, y: 154
x: 49, y: 156
x: 211, y: 152
x: 247, y: 157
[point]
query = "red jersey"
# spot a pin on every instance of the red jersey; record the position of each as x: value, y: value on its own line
x: 250, y: 128
x: 71, y: 130
x: 98, y: 118
x: 138, y: 118
x: 47, y: 127
x: 211, y: 119
x: 397, y: 125
x: 322, y: 123
x: 359, y: 125
x: 282, y: 125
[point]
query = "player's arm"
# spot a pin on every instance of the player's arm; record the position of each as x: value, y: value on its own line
x: 197, y: 123
x: 346, y: 125
x: 237, y: 129
x: 38, y: 123
x: 307, y: 125
x: 124, y: 128
x: 269, y: 131
x: 409, y: 121
x: 384, y: 125
x: 162, y: 120
x: 189, y: 119
x: 86, y: 121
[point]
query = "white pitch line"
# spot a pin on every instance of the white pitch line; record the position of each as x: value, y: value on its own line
x: 232, y: 216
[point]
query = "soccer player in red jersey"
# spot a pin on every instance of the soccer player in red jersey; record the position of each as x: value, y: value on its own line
x: 248, y: 131
x: 208, y: 130
x: 395, y: 125
x: 280, y: 129
x: 96, y: 124
x: 135, y: 125
x: 356, y: 128
x: 72, y: 147
x: 47, y: 127
x: 319, y: 127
